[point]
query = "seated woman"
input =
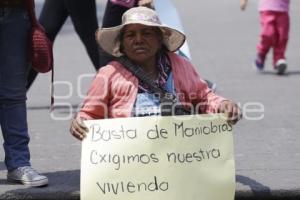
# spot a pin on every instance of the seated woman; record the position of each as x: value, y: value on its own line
x: 116, y: 90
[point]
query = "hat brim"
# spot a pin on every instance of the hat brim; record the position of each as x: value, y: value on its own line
x: 107, y: 37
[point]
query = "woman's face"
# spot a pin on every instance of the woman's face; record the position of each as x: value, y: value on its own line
x: 140, y: 43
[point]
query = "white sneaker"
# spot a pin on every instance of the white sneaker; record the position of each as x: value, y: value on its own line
x: 27, y: 176
x: 281, y: 66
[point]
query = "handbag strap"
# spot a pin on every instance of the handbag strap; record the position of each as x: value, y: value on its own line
x: 31, y: 12
x: 52, y: 91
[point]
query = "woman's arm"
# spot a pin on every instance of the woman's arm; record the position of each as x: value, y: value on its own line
x: 195, y: 90
x: 94, y: 106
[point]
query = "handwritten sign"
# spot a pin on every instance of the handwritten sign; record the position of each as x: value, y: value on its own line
x: 158, y: 158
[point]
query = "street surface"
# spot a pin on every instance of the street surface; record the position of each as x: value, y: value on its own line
x: 222, y: 42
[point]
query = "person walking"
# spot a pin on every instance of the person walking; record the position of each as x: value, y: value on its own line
x: 14, y: 34
x: 84, y: 17
x: 275, y: 22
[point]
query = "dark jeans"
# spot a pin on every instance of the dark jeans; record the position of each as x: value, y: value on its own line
x: 84, y: 17
x: 14, y: 30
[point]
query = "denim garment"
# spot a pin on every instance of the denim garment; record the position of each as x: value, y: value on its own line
x: 14, y: 32
x: 147, y: 104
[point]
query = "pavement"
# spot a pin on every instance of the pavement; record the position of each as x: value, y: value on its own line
x: 222, y: 42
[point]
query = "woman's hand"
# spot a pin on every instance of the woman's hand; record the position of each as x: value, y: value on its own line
x: 232, y: 110
x: 146, y: 3
x: 78, y: 129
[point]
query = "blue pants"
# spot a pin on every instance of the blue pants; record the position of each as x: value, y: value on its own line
x: 14, y: 30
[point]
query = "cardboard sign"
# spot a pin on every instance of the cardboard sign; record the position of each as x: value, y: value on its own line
x: 158, y: 158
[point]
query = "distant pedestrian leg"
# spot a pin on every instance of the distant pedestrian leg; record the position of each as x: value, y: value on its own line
x: 84, y: 18
x: 282, y: 29
x: 267, y: 35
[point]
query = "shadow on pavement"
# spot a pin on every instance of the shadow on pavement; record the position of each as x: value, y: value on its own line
x: 62, y: 185
x: 2, y: 166
x: 288, y: 73
x: 295, y: 72
x: 66, y: 185
x: 257, y: 188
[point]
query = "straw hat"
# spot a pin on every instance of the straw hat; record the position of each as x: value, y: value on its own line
x: 108, y: 37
